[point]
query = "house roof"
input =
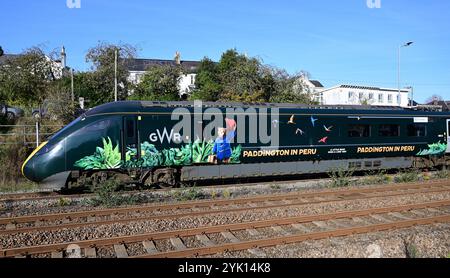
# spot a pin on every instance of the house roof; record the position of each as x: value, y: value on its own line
x: 145, y: 64
x: 366, y: 88
x: 316, y: 83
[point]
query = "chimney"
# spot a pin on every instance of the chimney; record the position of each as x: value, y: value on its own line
x: 177, y: 58
x: 63, y: 57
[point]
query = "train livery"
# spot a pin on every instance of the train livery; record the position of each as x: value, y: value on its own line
x: 164, y: 143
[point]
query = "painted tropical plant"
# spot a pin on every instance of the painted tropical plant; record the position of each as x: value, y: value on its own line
x: 434, y: 149
x: 236, y: 155
x: 201, y: 151
x: 107, y: 157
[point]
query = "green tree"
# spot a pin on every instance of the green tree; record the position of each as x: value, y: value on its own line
x: 240, y: 77
x: 207, y: 81
x: 25, y: 78
x: 1, y: 51
x: 289, y: 88
x: 101, y: 79
x: 159, y: 83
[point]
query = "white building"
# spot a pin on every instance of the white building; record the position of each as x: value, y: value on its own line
x: 313, y: 87
x: 186, y: 83
x: 363, y: 95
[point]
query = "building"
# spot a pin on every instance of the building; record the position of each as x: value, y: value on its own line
x: 313, y: 87
x: 186, y: 84
x: 364, y: 95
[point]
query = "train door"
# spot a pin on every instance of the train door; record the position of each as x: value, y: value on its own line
x: 448, y: 136
x: 131, y: 145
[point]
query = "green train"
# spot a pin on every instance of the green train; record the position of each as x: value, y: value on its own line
x: 165, y: 143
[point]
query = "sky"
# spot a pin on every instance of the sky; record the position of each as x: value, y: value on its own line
x: 336, y: 41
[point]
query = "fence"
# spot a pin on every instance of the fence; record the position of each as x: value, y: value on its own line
x: 29, y: 135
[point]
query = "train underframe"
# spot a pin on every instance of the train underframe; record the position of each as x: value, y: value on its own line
x: 174, y: 176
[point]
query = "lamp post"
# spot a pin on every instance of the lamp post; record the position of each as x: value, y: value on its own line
x: 115, y: 75
x: 398, y: 73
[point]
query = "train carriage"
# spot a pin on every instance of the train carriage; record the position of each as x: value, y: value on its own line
x: 164, y: 143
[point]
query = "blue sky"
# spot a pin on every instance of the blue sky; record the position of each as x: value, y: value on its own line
x: 336, y: 41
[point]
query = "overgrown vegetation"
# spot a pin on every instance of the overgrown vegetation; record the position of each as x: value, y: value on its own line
x: 376, y: 177
x: 340, y: 177
x: 187, y: 194
x: 408, y: 175
x: 442, y: 174
x: 107, y: 195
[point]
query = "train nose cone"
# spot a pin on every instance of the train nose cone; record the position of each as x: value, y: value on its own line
x: 28, y: 170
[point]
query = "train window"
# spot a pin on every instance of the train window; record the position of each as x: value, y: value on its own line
x: 359, y: 131
x: 130, y: 128
x: 99, y: 125
x: 417, y: 130
x: 389, y: 131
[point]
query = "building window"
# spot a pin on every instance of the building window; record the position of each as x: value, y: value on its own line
x: 399, y: 99
x: 371, y: 96
x: 380, y: 98
x: 417, y: 130
x: 389, y: 98
x: 350, y: 95
x: 361, y: 95
x: 389, y: 131
x: 359, y: 131
x: 192, y: 79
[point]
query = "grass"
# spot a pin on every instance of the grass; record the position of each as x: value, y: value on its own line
x: 6, y: 187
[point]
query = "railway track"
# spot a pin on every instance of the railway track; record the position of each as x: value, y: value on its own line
x: 292, y: 229
x: 48, y: 222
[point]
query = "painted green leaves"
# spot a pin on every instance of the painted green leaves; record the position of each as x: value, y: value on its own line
x: 434, y: 149
x: 107, y: 157
x: 201, y: 151
x: 236, y: 155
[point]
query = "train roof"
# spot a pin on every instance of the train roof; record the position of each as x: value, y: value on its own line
x: 142, y: 106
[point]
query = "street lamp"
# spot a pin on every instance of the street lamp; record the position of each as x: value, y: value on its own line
x: 115, y: 75
x: 398, y: 76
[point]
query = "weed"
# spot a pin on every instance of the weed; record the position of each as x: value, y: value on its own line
x: 442, y: 174
x: 340, y: 177
x: 213, y: 194
x: 275, y: 187
x: 376, y: 177
x: 411, y: 175
x: 107, y: 195
x: 187, y: 194
x: 226, y: 194
x: 410, y: 250
x: 62, y: 202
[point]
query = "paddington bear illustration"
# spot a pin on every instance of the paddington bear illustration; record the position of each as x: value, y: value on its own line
x: 222, y: 146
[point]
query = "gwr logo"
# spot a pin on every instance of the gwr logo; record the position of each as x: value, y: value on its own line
x: 160, y: 136
x: 374, y: 4
x: 71, y: 4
